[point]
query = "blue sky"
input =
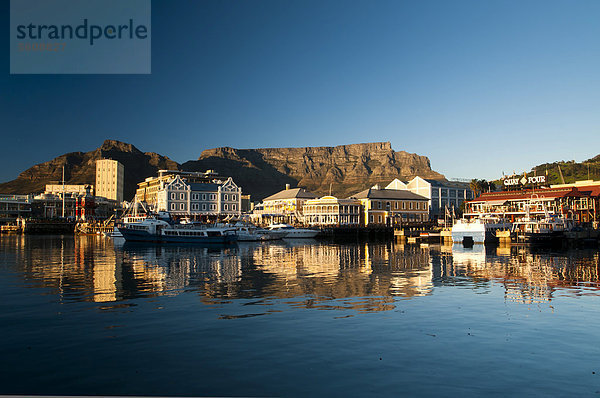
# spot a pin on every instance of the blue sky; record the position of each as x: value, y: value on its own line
x: 479, y: 87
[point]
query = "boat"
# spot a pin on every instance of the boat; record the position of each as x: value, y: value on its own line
x: 548, y: 229
x: 127, y: 220
x: 154, y: 230
x: 251, y: 233
x: 292, y: 232
x: 114, y: 234
x: 479, y: 230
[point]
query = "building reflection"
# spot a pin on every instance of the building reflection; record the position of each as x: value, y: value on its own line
x: 360, y: 276
x: 340, y: 271
x: 92, y: 268
x: 529, y: 276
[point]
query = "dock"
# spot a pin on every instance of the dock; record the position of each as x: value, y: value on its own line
x: 419, y: 232
x: 43, y: 226
x: 356, y: 232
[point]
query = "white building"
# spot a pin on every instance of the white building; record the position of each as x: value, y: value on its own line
x: 441, y: 194
x: 110, y: 176
x: 182, y: 198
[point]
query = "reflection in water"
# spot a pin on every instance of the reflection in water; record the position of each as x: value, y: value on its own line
x: 529, y: 276
x: 363, y: 277
x: 83, y: 315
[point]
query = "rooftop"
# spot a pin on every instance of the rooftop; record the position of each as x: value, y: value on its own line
x: 372, y: 193
x: 540, y: 194
x: 294, y: 193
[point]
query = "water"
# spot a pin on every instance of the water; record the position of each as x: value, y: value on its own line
x: 84, y: 315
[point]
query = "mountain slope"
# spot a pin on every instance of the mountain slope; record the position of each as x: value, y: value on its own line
x: 572, y: 171
x: 80, y: 168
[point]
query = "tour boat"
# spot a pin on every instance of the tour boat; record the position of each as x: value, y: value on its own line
x: 545, y: 230
x: 293, y: 233
x: 152, y: 230
x: 478, y: 230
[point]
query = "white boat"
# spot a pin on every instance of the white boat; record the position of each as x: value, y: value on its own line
x: 152, y: 230
x: 292, y: 232
x: 251, y: 233
x: 114, y: 234
x: 127, y: 220
x: 479, y: 230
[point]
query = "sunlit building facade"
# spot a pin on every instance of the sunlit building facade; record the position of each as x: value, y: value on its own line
x: 331, y: 211
x: 110, y: 179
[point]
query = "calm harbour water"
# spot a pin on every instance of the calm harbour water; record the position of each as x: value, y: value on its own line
x: 86, y: 315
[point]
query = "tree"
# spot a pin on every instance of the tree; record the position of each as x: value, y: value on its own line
x: 479, y: 186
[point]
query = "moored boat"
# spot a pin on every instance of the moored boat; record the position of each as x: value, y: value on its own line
x: 549, y: 229
x: 479, y: 230
x: 251, y: 233
x: 152, y: 230
x: 292, y: 232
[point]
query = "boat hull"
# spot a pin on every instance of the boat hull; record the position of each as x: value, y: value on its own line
x: 144, y: 236
x: 476, y: 232
x: 301, y: 234
x: 473, y: 236
x: 533, y: 238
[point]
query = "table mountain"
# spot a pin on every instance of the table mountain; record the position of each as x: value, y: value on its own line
x: 343, y: 170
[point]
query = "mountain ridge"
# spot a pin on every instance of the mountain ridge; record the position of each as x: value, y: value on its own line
x: 341, y: 170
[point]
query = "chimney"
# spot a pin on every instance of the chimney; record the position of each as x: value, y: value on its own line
x: 287, y: 186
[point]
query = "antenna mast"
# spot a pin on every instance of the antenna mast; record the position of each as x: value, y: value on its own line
x: 63, y: 192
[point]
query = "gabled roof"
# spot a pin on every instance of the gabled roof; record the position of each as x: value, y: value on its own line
x: 396, y: 184
x: 295, y: 193
x: 388, y: 194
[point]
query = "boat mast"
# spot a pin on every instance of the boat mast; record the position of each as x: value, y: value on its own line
x: 63, y: 192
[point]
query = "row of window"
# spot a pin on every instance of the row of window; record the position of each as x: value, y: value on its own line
x: 205, y: 196
x: 405, y: 217
x: 185, y: 233
x: 452, y: 193
x: 312, y: 209
x: 196, y: 206
x: 396, y: 206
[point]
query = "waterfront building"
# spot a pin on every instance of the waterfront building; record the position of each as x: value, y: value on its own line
x: 110, y: 177
x: 15, y: 206
x: 57, y: 189
x: 182, y: 198
x: 567, y: 200
x: 331, y: 211
x: 47, y: 205
x: 382, y: 206
x: 147, y: 190
x: 590, y: 188
x: 441, y: 194
x: 284, y: 206
x: 77, y: 206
